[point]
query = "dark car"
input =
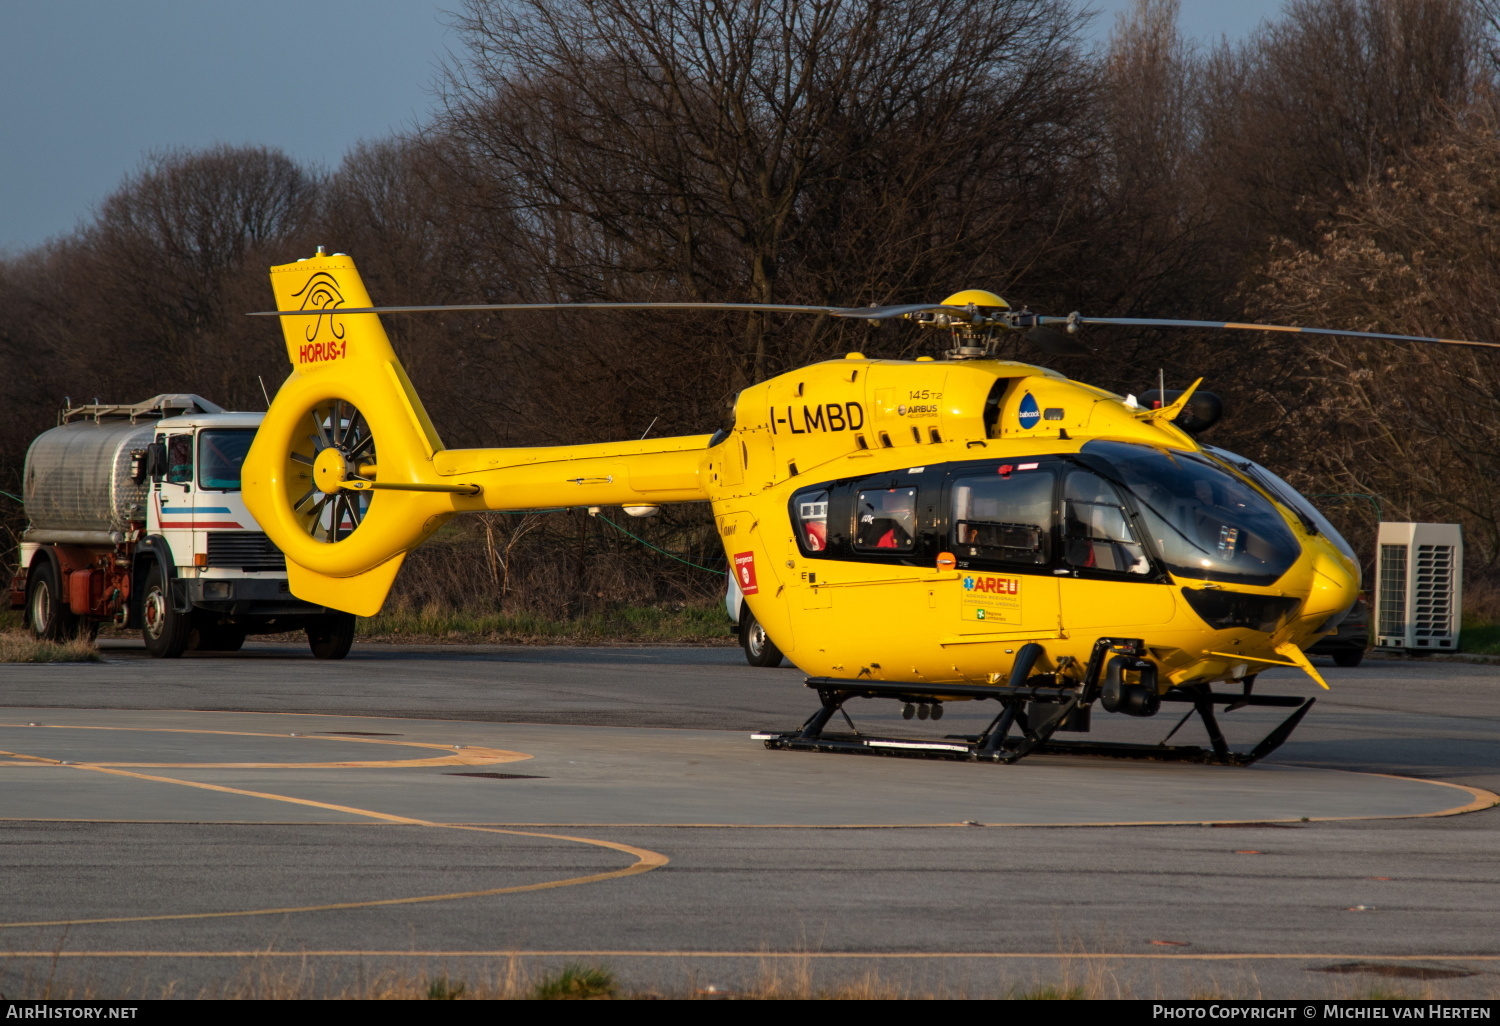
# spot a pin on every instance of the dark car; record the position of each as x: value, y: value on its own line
x: 1347, y: 644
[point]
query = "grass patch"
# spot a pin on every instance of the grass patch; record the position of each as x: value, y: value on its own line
x: 689, y: 625
x: 1479, y: 637
x: 575, y: 983
x: 16, y: 647
x: 444, y: 989
x: 1050, y: 992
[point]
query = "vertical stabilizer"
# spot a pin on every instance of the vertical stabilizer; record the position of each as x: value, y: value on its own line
x: 343, y: 426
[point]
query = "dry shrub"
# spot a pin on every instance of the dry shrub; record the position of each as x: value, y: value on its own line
x: 564, y: 565
x: 18, y: 647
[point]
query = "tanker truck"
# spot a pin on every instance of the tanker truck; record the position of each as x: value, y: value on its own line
x: 135, y: 518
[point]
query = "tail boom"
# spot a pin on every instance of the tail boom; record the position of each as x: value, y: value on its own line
x: 605, y: 474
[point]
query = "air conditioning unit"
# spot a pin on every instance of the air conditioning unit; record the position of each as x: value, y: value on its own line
x: 1418, y: 587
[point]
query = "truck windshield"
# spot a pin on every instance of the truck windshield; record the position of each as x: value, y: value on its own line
x: 1206, y: 523
x: 220, y: 454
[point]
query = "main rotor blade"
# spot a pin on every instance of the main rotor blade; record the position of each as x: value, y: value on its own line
x: 1150, y: 322
x: 765, y: 307
x: 870, y: 313
x: 880, y: 313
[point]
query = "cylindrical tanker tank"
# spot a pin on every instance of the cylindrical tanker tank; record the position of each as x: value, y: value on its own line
x: 78, y: 484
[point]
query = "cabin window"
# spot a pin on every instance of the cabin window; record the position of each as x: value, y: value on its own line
x: 810, y: 511
x: 886, y: 520
x: 179, y: 459
x: 1005, y: 517
x: 1096, y: 527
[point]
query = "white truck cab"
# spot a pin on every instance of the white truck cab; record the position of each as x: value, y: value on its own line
x: 136, y: 518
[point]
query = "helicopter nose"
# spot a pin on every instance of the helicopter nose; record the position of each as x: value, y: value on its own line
x: 1334, y: 586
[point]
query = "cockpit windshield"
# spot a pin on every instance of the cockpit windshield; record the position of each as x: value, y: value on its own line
x: 1206, y: 523
x: 1290, y: 497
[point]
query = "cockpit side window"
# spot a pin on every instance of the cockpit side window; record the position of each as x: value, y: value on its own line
x: 885, y: 520
x: 1004, y: 517
x: 1096, y: 527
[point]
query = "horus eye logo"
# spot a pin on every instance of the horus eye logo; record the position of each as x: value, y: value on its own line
x: 321, y: 293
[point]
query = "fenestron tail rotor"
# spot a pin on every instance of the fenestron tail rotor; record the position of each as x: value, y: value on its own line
x: 340, y: 453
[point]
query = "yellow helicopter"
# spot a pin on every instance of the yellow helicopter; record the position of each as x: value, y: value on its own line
x: 928, y: 531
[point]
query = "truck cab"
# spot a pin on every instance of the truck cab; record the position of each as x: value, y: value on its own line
x: 136, y: 518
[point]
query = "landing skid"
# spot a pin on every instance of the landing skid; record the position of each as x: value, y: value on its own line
x: 1030, y: 715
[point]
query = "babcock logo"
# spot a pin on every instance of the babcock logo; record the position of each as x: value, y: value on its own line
x: 1029, y: 412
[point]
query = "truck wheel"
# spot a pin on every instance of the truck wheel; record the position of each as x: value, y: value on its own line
x: 331, y: 635
x: 760, y: 650
x: 49, y: 614
x: 1348, y: 658
x: 166, y: 631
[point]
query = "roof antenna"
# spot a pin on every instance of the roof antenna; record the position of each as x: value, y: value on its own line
x: 263, y: 390
x: 648, y: 426
x: 1161, y: 388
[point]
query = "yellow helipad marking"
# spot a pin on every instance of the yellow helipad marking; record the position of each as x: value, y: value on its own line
x: 1482, y: 799
x: 646, y: 860
x: 476, y: 755
x: 468, y: 755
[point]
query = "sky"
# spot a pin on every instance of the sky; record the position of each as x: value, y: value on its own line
x: 88, y: 88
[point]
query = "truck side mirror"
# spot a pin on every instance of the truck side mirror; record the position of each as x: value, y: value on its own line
x: 156, y: 461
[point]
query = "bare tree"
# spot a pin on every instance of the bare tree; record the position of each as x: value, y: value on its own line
x: 1315, y: 102
x: 1414, y: 252
x: 770, y: 150
x: 175, y: 257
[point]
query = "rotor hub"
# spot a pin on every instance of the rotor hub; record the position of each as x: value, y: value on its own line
x: 330, y: 470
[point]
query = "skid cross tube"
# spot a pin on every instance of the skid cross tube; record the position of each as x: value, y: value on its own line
x: 1035, y: 710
